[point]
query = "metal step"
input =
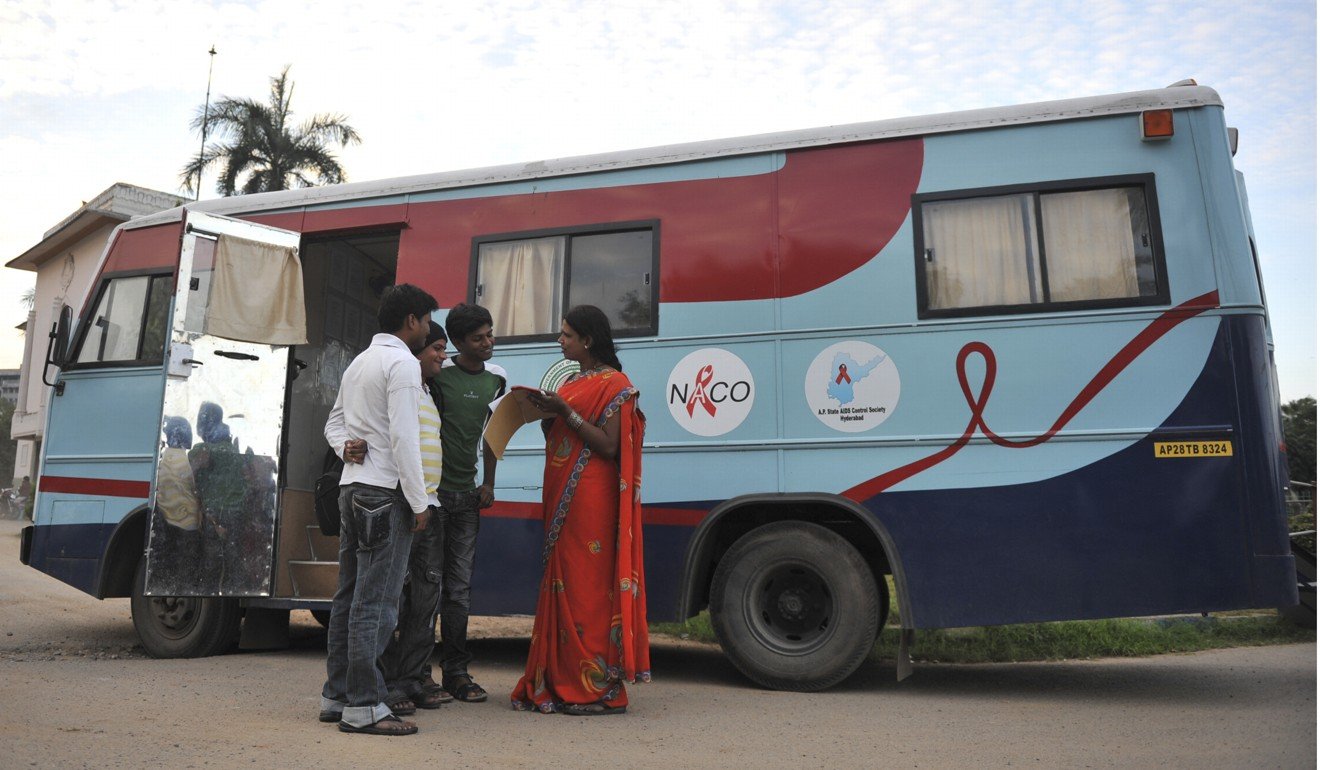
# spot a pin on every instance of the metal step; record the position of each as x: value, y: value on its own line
x: 314, y: 579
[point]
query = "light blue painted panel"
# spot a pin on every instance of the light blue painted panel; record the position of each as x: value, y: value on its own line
x: 106, y: 412
x: 76, y: 512
x: 1089, y: 148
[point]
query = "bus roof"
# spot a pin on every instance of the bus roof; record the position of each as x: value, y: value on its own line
x: 1173, y: 97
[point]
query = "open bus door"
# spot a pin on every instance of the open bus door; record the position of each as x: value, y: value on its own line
x: 238, y: 310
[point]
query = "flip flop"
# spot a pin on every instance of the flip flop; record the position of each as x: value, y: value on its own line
x: 375, y: 729
x: 592, y: 710
x: 330, y: 716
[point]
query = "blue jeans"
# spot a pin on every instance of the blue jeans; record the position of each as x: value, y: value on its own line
x: 462, y: 516
x: 375, y: 533
x: 407, y: 658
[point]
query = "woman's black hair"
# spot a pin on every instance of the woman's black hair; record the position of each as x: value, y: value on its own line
x: 591, y: 321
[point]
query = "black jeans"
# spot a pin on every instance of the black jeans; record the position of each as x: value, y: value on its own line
x: 462, y: 521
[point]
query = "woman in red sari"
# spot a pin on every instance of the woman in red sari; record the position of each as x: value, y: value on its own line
x: 590, y: 632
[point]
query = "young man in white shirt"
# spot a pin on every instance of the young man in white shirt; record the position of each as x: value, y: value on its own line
x: 382, y: 502
x: 406, y: 662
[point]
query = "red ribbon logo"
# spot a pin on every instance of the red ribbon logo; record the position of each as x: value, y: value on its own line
x: 704, y: 377
x: 843, y: 374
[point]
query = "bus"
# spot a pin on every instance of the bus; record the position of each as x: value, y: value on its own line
x: 1010, y: 365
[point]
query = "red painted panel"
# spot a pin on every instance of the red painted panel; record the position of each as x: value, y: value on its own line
x: 835, y: 208
x: 145, y: 247
x: 715, y: 235
x: 353, y: 218
x: 288, y: 220
x: 99, y: 487
x: 839, y: 206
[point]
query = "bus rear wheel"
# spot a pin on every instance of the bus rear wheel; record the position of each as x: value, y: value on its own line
x: 182, y: 626
x: 795, y: 606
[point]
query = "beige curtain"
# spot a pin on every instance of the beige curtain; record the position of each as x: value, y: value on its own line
x: 983, y: 252
x: 521, y: 284
x: 257, y: 294
x: 1089, y: 245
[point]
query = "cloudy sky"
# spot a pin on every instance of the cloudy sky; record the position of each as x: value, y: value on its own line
x: 98, y: 92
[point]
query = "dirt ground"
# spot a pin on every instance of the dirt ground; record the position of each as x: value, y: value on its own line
x: 77, y: 691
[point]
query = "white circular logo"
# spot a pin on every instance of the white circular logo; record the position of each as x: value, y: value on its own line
x: 558, y: 374
x: 852, y: 386
x: 710, y: 392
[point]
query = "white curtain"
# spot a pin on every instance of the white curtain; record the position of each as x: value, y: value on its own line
x: 257, y: 294
x: 521, y: 284
x: 983, y: 252
x: 1089, y: 245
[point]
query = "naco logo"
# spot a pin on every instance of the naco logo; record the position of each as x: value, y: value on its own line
x: 710, y: 392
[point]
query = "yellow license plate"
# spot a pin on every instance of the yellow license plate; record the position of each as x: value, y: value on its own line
x: 1167, y: 449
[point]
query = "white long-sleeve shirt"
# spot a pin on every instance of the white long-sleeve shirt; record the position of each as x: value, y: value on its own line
x: 378, y: 401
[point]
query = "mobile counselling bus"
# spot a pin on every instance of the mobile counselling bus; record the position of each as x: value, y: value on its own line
x: 1016, y: 359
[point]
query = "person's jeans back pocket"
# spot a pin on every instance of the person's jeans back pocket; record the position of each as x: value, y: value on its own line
x: 371, y: 514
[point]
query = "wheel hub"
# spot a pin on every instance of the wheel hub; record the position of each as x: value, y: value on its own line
x: 174, y: 613
x: 791, y: 610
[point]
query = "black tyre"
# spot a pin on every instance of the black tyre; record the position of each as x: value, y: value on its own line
x: 183, y: 626
x: 322, y: 617
x: 795, y: 606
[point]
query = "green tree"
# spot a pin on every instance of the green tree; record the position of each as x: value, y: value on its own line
x: 260, y: 145
x: 1299, y: 435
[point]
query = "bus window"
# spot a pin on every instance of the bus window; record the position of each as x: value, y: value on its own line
x: 528, y: 283
x: 1037, y: 249
x: 129, y: 322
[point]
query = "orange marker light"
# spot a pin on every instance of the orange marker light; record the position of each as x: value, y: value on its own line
x: 1156, y: 124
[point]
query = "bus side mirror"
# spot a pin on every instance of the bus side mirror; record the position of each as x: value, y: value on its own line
x: 57, y: 350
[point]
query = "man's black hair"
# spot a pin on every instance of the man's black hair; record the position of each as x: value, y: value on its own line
x: 399, y: 302
x: 465, y: 318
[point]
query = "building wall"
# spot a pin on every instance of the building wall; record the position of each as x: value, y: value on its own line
x: 64, y: 279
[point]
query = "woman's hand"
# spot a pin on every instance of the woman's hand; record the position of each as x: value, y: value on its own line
x: 548, y: 401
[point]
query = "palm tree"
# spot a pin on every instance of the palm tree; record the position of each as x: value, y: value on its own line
x: 260, y: 141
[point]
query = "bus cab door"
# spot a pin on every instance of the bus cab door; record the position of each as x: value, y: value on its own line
x: 238, y: 310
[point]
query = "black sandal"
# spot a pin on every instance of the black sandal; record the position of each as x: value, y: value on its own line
x: 407, y: 728
x: 463, y: 688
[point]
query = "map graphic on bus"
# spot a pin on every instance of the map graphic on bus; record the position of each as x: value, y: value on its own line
x: 849, y: 373
x: 852, y: 386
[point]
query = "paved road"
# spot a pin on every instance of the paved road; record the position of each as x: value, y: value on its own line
x: 76, y: 691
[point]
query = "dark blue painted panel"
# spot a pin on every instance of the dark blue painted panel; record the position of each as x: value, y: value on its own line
x: 63, y: 552
x: 1129, y: 535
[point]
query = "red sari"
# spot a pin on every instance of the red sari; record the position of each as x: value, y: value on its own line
x: 590, y: 633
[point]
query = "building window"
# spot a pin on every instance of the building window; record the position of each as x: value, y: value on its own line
x: 1011, y: 250
x: 129, y: 322
x: 529, y: 280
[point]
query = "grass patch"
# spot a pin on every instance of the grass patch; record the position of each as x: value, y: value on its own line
x: 1067, y: 640
x: 698, y: 628
x: 1124, y: 637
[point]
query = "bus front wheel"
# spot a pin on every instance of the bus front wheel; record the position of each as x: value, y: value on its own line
x: 795, y: 606
x: 182, y: 626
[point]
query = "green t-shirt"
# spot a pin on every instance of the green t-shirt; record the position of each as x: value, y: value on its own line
x: 464, y: 406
